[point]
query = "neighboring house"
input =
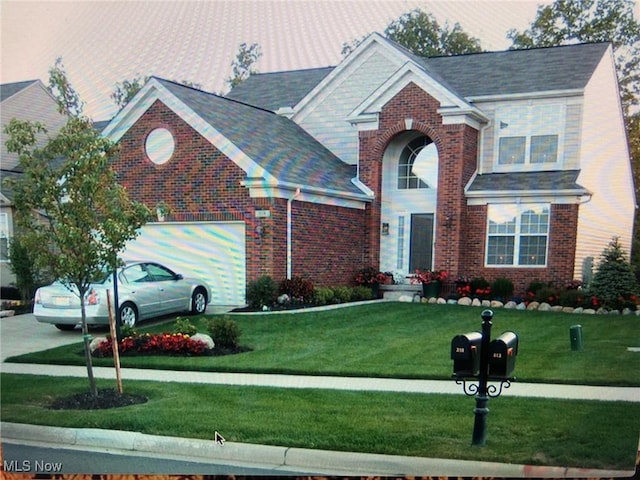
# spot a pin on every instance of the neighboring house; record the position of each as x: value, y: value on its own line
x: 508, y: 164
x: 29, y: 100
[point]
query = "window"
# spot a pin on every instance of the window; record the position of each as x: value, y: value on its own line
x: 517, y: 235
x: 418, y: 165
x: 529, y: 135
x: 4, y: 237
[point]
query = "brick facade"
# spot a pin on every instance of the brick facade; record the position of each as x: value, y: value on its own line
x: 200, y: 184
x: 460, y: 233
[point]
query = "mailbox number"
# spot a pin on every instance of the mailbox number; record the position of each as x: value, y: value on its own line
x: 459, y: 349
x: 497, y: 355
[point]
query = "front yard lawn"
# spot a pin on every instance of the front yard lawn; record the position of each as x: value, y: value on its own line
x: 588, y: 434
x: 403, y: 340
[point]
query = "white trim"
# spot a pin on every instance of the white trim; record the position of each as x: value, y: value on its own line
x: 576, y: 92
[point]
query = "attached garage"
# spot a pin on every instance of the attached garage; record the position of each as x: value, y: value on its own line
x: 213, y: 251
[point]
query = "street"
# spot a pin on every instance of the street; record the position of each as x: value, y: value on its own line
x: 41, y: 459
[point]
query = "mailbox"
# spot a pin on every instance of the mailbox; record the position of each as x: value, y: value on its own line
x: 502, y: 355
x: 465, y: 353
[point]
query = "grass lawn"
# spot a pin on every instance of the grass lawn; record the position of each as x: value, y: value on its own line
x: 520, y: 430
x: 403, y: 340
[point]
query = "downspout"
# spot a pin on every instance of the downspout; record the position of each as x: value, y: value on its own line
x: 289, y: 230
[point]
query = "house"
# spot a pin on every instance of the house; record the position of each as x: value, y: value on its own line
x: 30, y: 101
x: 504, y: 164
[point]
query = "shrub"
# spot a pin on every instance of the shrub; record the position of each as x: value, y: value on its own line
x: 576, y: 298
x: 341, y: 294
x: 361, y: 293
x: 261, y: 292
x: 184, y: 326
x: 480, y: 288
x: 502, y: 289
x: 225, y: 332
x: 548, y: 294
x: 323, y: 295
x: 614, y: 282
x: 298, y: 289
x: 127, y: 331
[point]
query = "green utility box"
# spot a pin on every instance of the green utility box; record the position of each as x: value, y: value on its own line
x: 577, y: 341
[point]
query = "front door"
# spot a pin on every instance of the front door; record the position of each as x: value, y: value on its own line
x: 421, y: 246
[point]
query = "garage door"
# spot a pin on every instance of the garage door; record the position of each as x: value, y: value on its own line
x: 214, y: 252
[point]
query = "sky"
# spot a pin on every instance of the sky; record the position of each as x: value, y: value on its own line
x: 104, y: 42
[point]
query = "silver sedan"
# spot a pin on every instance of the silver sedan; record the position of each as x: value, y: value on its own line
x: 145, y: 290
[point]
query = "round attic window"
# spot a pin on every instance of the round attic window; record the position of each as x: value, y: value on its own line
x: 160, y: 146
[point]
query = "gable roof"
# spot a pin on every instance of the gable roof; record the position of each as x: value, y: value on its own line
x: 511, y: 72
x: 264, y: 144
x: 291, y: 87
x: 10, y: 89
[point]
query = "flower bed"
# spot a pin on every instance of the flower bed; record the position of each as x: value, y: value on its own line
x: 154, y: 344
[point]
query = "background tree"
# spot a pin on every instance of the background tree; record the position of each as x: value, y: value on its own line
x: 124, y: 91
x: 72, y: 215
x: 422, y: 34
x: 242, y: 66
x: 570, y: 21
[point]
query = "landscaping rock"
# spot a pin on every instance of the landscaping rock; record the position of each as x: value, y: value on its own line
x: 206, y: 339
x: 433, y: 300
x: 567, y: 309
x: 510, y: 305
x: 96, y: 342
x: 556, y: 308
x: 476, y: 303
x: 589, y: 311
x: 521, y: 306
x: 602, y: 311
x: 544, y: 307
x: 578, y: 310
x: 533, y: 306
x: 626, y: 311
x: 405, y: 299
x: 496, y: 304
x: 441, y: 301
x: 486, y: 303
x: 466, y: 301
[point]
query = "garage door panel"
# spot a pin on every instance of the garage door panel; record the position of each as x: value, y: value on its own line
x: 214, y: 252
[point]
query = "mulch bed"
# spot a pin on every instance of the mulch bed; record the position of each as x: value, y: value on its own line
x: 107, y: 398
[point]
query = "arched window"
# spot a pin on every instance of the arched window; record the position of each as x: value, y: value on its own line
x: 417, y: 164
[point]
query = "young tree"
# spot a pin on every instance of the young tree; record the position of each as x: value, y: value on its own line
x: 243, y: 64
x: 74, y: 218
x: 422, y: 34
x: 569, y: 21
x: 614, y: 280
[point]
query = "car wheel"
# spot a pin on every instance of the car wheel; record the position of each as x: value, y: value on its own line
x: 198, y: 301
x: 65, y: 327
x: 128, y: 315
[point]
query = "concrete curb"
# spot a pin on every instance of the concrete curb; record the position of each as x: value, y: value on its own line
x: 312, y: 461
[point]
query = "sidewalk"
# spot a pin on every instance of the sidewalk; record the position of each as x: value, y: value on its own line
x: 573, y: 392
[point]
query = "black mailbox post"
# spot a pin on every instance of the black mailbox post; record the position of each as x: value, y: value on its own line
x: 465, y: 353
x: 475, y: 356
x: 502, y: 355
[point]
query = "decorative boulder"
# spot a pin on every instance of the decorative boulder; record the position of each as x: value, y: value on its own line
x: 510, y: 305
x: 544, y: 307
x: 589, y: 311
x: 486, y: 303
x: 496, y: 304
x: 476, y: 303
x: 206, y: 339
x: 95, y: 343
x: 556, y: 308
x: 578, y: 310
x: 466, y: 301
x: 521, y: 306
x: 533, y: 306
x: 405, y: 299
x: 441, y: 301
